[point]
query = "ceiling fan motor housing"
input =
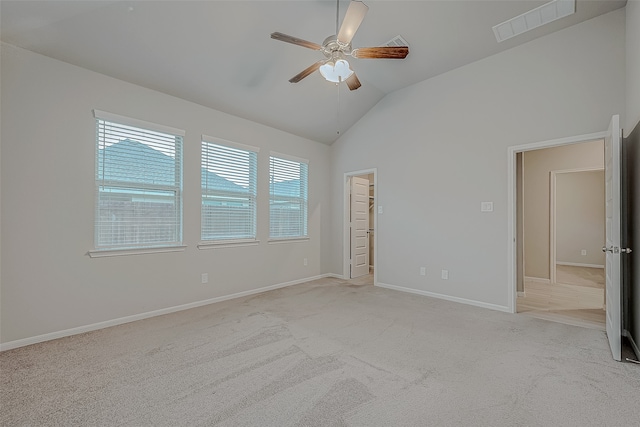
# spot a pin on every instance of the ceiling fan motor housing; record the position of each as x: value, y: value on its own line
x: 332, y: 48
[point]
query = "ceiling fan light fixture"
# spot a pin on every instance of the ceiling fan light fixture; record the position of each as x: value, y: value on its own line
x: 337, y: 71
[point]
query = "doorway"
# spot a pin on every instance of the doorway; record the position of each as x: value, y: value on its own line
x: 360, y: 243
x: 532, y: 261
x: 563, y: 224
x: 614, y: 223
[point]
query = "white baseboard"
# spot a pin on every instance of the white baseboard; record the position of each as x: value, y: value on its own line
x: 446, y: 297
x: 577, y: 264
x: 333, y: 276
x: 634, y: 345
x: 537, y: 279
x: 127, y: 319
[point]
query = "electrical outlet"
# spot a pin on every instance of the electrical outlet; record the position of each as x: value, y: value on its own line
x: 583, y: 252
x: 380, y: 210
x: 306, y: 262
x: 204, y: 277
x: 486, y: 206
x: 423, y: 271
x: 445, y: 275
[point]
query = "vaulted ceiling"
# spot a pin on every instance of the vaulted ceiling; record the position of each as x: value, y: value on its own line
x: 219, y: 53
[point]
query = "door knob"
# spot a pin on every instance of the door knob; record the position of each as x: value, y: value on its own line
x: 615, y: 250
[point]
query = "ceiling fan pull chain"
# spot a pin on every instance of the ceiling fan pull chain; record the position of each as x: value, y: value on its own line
x: 338, y: 112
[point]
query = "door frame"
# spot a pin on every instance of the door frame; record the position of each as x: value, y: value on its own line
x: 552, y: 216
x: 346, y: 243
x: 511, y: 202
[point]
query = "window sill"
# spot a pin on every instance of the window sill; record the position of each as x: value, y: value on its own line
x: 288, y: 240
x: 103, y: 253
x: 227, y: 244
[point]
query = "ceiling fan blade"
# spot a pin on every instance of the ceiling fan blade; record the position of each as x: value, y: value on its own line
x: 307, y: 71
x: 352, y: 82
x: 294, y: 40
x: 390, y: 52
x: 352, y: 20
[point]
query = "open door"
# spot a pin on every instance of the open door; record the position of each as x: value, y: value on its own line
x: 359, y: 226
x: 612, y: 237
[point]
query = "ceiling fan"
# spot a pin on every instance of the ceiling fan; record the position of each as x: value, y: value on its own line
x: 335, y: 67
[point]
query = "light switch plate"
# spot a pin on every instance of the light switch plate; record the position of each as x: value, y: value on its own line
x: 486, y: 206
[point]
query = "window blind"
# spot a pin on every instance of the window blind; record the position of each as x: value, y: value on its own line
x: 138, y: 185
x: 229, y: 187
x: 288, y: 182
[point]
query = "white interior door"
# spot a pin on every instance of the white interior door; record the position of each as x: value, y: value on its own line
x: 612, y: 248
x: 359, y: 226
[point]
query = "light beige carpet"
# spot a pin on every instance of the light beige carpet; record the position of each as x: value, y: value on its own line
x: 324, y: 353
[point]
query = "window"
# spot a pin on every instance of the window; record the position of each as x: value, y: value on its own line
x: 288, y: 178
x: 228, y: 176
x: 138, y: 184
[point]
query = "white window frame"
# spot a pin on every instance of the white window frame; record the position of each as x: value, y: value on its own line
x: 304, y: 235
x: 253, y: 174
x: 106, y: 250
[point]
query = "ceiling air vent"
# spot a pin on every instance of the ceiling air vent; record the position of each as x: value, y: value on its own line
x: 541, y: 15
x: 396, y: 41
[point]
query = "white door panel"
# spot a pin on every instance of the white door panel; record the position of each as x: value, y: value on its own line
x: 359, y: 226
x: 612, y: 232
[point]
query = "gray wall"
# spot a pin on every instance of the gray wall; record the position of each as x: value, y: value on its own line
x: 448, y: 153
x: 632, y: 120
x: 632, y: 39
x: 631, y: 234
x: 580, y: 219
x: 49, y: 284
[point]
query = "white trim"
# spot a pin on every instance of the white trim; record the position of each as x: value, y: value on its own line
x: 288, y: 157
x: 590, y: 137
x: 511, y: 201
x: 537, y: 279
x: 446, y: 297
x: 522, y: 294
x: 273, y: 241
x: 552, y: 227
x: 578, y: 264
x: 128, y: 121
x: 230, y: 144
x: 127, y: 319
x: 512, y: 233
x: 102, y: 253
x: 346, y: 261
x: 523, y: 266
x: 579, y: 169
x: 215, y: 244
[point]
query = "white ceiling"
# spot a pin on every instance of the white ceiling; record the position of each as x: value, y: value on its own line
x: 219, y: 53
